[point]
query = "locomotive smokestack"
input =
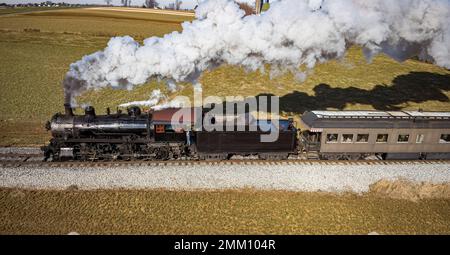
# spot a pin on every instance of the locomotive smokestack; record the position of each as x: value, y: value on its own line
x: 68, y: 109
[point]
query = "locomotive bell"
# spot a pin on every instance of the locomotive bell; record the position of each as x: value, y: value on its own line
x: 89, y: 111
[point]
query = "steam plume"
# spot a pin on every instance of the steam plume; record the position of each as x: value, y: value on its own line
x: 290, y: 35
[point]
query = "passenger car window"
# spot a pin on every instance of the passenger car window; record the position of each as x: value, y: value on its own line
x: 419, y: 138
x: 362, y: 138
x: 347, y: 138
x: 445, y: 138
x: 382, y: 138
x: 332, y: 138
x: 403, y: 138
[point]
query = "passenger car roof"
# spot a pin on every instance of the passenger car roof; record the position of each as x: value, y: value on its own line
x: 375, y: 119
x: 382, y: 114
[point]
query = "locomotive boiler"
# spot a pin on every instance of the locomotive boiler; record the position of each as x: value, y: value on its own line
x: 111, y: 136
x: 89, y: 124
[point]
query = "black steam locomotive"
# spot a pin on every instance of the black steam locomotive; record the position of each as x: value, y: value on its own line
x: 151, y: 136
x: 332, y: 135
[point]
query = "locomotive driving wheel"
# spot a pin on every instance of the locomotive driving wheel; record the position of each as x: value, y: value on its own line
x: 162, y: 154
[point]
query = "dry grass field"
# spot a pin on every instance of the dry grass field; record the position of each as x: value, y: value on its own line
x: 5, y: 11
x: 216, y: 212
x: 37, y: 48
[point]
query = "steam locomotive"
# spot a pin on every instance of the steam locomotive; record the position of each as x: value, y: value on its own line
x: 152, y: 136
x: 325, y: 135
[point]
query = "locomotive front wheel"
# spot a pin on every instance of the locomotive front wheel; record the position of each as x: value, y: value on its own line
x: 49, y: 154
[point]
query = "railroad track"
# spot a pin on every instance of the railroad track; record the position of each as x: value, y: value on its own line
x: 35, y: 160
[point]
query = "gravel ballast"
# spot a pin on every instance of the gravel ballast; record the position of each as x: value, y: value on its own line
x: 20, y: 150
x: 294, y: 177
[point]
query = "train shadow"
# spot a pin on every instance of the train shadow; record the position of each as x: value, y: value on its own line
x: 417, y: 87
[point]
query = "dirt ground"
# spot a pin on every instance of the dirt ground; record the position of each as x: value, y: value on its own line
x: 219, y: 212
x: 141, y: 10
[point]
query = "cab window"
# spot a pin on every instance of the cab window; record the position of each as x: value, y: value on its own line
x: 362, y: 138
x: 419, y: 138
x: 403, y: 138
x: 445, y: 138
x: 332, y: 138
x: 159, y: 129
x: 347, y: 138
x: 382, y: 138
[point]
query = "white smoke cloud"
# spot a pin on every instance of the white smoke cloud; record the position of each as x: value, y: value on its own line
x: 154, y: 99
x: 177, y: 102
x: 159, y: 101
x: 290, y: 35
